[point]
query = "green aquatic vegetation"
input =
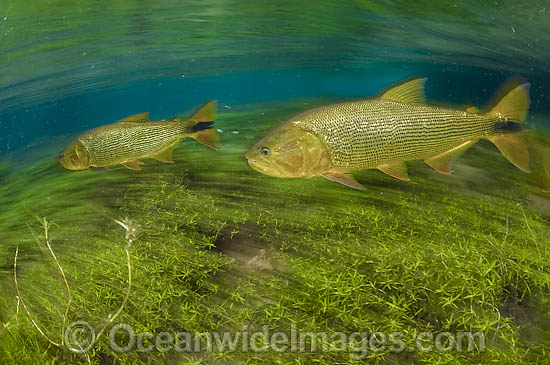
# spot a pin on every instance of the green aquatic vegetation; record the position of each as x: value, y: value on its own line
x: 67, y: 341
x: 46, y: 226
x: 223, y: 248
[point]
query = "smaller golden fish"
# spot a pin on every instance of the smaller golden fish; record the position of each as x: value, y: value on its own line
x: 130, y: 139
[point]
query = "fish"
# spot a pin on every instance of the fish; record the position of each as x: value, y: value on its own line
x: 539, y: 147
x: 129, y: 140
x: 386, y: 131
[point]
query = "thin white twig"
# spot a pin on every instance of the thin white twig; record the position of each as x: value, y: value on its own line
x: 23, y: 302
x: 121, y: 308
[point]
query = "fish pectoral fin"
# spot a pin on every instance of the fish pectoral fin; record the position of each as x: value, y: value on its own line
x: 132, y: 164
x: 514, y: 147
x: 411, y: 91
x: 141, y: 117
x: 344, y: 179
x: 442, y: 162
x: 166, y: 154
x: 395, y: 169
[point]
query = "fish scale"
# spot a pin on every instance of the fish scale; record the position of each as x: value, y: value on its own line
x: 132, y: 138
x: 130, y: 141
x: 364, y: 134
x: 386, y: 131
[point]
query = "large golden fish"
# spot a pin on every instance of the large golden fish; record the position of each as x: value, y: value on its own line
x: 384, y: 132
x: 133, y: 138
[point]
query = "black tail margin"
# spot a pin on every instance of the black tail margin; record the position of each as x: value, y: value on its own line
x: 201, y: 126
x: 508, y: 127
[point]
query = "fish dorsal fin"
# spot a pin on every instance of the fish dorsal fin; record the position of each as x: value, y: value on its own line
x: 396, y: 169
x: 141, y: 117
x: 411, y: 91
x: 472, y: 109
x: 344, y: 179
x: 206, y: 113
x: 442, y: 162
x: 166, y: 154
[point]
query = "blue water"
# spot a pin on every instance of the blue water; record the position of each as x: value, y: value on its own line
x: 80, y: 67
x: 165, y: 97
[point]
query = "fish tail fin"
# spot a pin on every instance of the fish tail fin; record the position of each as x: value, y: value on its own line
x: 201, y: 124
x: 510, y: 112
x: 207, y: 137
x: 514, y: 105
x: 514, y: 147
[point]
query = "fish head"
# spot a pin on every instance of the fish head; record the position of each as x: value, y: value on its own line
x: 74, y: 157
x: 289, y: 152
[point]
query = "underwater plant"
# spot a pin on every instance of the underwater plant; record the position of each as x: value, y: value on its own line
x: 69, y: 339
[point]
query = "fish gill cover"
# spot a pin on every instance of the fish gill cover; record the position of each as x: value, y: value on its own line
x: 124, y: 266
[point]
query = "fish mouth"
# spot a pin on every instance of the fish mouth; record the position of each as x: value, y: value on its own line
x: 256, y: 165
x: 63, y: 163
x: 261, y: 167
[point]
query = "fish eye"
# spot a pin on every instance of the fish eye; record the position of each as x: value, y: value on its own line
x: 265, y: 151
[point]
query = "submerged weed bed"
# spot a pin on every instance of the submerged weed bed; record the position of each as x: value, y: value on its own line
x: 222, y: 248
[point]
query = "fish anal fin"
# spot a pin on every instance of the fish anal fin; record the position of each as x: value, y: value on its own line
x: 442, y: 162
x: 132, y: 164
x: 206, y: 113
x: 166, y: 154
x: 395, y: 169
x: 207, y: 137
x: 514, y: 147
x: 344, y: 179
x: 411, y: 91
x: 141, y: 117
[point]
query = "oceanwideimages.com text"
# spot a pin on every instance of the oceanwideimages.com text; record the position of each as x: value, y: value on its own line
x: 80, y: 336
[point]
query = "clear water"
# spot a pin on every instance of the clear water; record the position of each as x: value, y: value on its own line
x: 68, y: 67
x: 65, y: 69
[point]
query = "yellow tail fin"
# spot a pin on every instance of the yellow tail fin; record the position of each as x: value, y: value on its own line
x: 207, y: 137
x: 206, y: 113
x: 514, y: 147
x: 202, y: 122
x: 513, y: 108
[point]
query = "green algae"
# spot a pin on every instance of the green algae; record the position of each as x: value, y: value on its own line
x: 224, y: 248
